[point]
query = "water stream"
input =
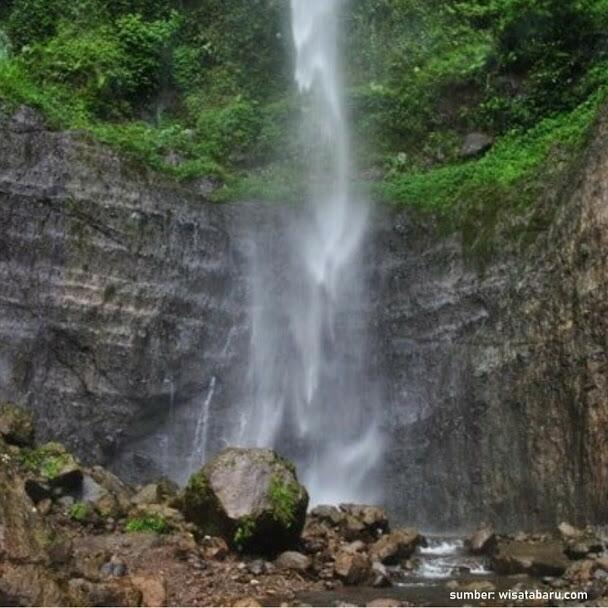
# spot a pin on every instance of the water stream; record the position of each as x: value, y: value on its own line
x: 311, y: 394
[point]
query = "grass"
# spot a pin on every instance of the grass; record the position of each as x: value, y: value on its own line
x: 149, y: 523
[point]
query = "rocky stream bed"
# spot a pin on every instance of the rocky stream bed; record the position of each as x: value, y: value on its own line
x: 240, y: 535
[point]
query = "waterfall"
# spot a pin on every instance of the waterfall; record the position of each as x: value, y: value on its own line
x: 312, y: 395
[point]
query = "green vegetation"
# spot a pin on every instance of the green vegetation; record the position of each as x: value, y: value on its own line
x: 284, y: 500
x: 203, y: 88
x: 244, y: 532
x: 81, y: 512
x: 149, y: 523
x: 48, y: 461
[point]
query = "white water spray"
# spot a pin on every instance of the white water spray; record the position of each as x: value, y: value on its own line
x: 312, y: 395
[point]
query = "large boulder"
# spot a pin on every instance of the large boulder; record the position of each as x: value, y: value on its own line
x: 250, y: 497
x: 53, y: 471
x: 16, y: 425
x: 537, y: 559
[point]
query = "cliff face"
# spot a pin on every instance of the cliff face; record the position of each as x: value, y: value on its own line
x: 118, y: 301
x: 499, y: 402
x: 124, y: 326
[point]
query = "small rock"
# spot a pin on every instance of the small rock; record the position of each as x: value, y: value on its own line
x: 66, y: 502
x: 44, y: 506
x: 602, y: 562
x: 357, y: 546
x: 111, y: 484
x: 352, y: 568
x: 257, y: 567
x: 569, y: 532
x: 148, y: 495
x: 475, y: 144
x: 108, y: 506
x: 395, y: 546
x: 153, y: 590
x: 581, y: 571
x: 482, y: 541
x: 16, y: 425
x: 114, y: 568
x: 113, y: 593
x: 247, y: 602
x: 352, y: 528
x: 292, y: 560
x: 328, y: 514
x: 215, y: 548
x: 380, y: 577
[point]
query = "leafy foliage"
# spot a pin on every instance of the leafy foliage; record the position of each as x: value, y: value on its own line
x: 244, y: 532
x: 283, y: 497
x: 203, y: 88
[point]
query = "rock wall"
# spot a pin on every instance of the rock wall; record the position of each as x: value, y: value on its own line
x: 118, y: 304
x: 123, y: 325
x: 498, y: 398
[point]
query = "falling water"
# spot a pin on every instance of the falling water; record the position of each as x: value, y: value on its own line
x: 201, y: 431
x: 312, y: 395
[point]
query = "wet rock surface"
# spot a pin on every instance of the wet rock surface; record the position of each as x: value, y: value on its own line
x: 124, y: 311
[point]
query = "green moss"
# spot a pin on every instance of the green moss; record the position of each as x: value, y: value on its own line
x: 48, y: 461
x: 201, y: 506
x: 149, y: 523
x: 244, y: 532
x: 284, y: 500
x: 81, y: 512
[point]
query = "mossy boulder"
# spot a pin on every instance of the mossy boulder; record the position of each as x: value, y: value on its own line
x: 53, y: 470
x: 16, y: 425
x: 250, y: 497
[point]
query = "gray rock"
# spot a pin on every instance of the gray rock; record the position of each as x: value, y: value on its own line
x: 396, y: 546
x: 250, y: 497
x: 353, y: 568
x: 482, y: 541
x: 476, y: 144
x: 380, y: 575
x: 328, y: 513
x: 292, y: 560
x: 257, y: 567
x: 150, y: 494
x: 536, y: 559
